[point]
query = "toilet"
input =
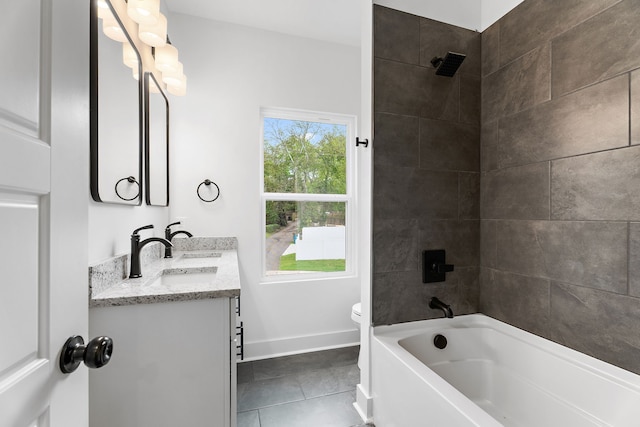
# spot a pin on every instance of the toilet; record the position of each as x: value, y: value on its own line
x: 356, y: 312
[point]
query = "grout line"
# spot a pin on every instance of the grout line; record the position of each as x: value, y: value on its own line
x: 630, y: 104
x: 550, y: 311
x: 551, y: 97
x: 628, y: 258
x: 550, y: 191
x: 459, y: 194
x: 419, y: 142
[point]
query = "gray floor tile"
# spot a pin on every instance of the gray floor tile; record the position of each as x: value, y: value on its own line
x: 329, y: 381
x: 263, y: 393
x: 335, y: 410
x: 248, y: 419
x: 289, y: 365
x: 245, y: 372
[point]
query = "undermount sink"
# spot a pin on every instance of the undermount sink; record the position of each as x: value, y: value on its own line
x: 202, y: 255
x: 181, y: 279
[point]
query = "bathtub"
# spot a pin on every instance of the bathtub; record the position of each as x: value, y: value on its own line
x: 492, y: 374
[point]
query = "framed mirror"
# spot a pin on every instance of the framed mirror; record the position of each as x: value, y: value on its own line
x: 116, y: 110
x: 156, y: 142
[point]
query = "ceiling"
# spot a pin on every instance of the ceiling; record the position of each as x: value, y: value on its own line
x: 336, y: 21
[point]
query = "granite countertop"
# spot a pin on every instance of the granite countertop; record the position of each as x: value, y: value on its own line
x: 223, y: 281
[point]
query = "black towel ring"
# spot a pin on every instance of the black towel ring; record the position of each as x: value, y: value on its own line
x: 208, y: 182
x: 130, y: 180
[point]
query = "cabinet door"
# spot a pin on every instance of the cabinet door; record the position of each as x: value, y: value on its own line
x: 233, y: 367
x: 171, y: 366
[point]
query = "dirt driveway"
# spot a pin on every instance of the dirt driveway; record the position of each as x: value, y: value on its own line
x: 277, y: 244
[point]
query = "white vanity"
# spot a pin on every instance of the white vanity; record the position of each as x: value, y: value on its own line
x: 174, y: 334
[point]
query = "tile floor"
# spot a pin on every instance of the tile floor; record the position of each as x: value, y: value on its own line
x: 311, y: 390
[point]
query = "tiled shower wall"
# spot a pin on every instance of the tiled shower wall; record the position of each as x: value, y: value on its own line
x: 560, y: 193
x: 426, y: 166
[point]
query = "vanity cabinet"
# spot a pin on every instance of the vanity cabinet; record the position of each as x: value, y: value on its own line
x: 173, y: 364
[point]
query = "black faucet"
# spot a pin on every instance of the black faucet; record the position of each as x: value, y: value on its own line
x: 137, y: 245
x: 168, y: 250
x: 435, y: 303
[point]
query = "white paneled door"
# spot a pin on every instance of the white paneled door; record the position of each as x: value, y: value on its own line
x: 44, y: 139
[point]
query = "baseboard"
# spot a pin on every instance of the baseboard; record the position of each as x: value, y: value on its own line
x: 258, y: 350
x: 363, y: 404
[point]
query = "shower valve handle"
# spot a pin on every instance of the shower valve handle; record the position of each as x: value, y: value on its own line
x: 442, y: 268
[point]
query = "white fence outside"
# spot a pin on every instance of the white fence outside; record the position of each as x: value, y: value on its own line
x: 321, y: 243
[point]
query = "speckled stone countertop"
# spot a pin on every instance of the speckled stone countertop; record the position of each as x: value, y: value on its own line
x: 216, y: 257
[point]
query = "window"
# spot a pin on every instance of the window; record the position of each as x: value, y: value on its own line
x: 307, y: 186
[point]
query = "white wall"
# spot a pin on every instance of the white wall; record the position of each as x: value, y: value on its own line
x: 463, y: 13
x: 110, y: 227
x: 233, y: 71
x: 492, y: 10
x: 475, y: 15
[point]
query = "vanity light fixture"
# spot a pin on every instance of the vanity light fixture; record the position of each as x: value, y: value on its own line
x: 154, y: 34
x: 103, y: 9
x: 144, y: 11
x: 129, y: 56
x: 178, y: 90
x: 112, y: 29
x: 153, y: 88
x: 166, y: 60
x: 176, y: 81
x: 174, y: 77
x: 166, y: 57
x: 152, y: 30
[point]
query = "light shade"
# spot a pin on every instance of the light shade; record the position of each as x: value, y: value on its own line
x: 136, y: 73
x: 174, y: 77
x: 103, y: 9
x: 153, y: 88
x: 166, y: 58
x: 154, y: 34
x: 129, y: 56
x: 178, y: 90
x: 144, y: 11
x: 112, y: 29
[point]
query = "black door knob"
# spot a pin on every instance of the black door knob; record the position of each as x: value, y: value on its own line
x: 95, y: 354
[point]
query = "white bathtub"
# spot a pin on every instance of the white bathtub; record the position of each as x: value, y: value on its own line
x: 492, y: 374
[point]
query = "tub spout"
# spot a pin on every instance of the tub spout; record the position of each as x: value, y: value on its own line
x: 435, y: 303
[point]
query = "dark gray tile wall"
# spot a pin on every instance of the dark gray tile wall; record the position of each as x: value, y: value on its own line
x: 635, y: 107
x: 535, y: 22
x: 601, y: 186
x: 426, y: 166
x: 526, y: 79
x: 601, y: 324
x: 589, y: 120
x: 520, y: 300
x: 586, y: 253
x: 560, y: 237
x: 521, y: 192
x: 597, y: 49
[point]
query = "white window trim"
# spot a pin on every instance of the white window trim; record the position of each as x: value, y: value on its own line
x: 350, y: 121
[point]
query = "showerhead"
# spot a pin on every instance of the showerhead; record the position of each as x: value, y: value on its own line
x: 448, y: 65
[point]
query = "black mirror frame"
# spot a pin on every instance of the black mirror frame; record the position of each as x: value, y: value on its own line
x: 93, y: 103
x: 147, y: 139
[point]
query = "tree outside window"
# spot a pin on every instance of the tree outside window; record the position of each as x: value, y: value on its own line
x: 306, y: 194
